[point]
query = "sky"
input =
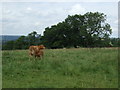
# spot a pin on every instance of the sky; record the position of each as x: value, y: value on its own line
x: 21, y: 18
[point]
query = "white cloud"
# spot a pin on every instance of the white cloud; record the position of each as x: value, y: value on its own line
x: 37, y: 23
x: 77, y: 9
x: 116, y: 21
x: 114, y: 29
x: 43, y: 13
x: 51, y: 12
x: 29, y: 8
x: 6, y: 11
x: 114, y: 32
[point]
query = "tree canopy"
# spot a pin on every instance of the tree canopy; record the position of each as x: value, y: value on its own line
x: 23, y: 42
x: 88, y: 30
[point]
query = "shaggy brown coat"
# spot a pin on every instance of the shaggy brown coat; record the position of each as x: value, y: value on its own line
x: 36, y: 51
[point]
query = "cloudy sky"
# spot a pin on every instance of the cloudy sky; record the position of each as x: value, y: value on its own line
x: 21, y: 18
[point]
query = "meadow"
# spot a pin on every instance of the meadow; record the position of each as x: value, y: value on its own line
x: 61, y: 68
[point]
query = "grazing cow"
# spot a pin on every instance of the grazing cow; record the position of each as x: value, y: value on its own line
x: 36, y: 51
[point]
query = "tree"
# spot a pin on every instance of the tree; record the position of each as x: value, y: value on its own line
x: 33, y: 38
x: 8, y: 45
x: 86, y: 30
x: 23, y: 42
x: 115, y: 42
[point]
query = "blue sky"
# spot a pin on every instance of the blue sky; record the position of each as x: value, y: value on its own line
x: 21, y: 18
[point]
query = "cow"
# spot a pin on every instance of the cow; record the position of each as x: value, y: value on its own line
x: 36, y: 51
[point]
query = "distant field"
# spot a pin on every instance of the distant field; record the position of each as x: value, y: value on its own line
x: 61, y: 68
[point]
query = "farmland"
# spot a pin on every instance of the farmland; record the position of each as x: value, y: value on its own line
x: 61, y: 68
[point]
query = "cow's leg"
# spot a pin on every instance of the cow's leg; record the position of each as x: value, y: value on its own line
x: 35, y: 57
x: 38, y: 56
x: 42, y: 54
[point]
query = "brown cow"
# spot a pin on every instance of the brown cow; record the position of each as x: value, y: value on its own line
x: 36, y: 51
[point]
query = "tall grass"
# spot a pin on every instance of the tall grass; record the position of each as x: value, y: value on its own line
x: 61, y: 68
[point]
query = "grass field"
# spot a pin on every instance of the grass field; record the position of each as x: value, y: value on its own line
x: 61, y: 68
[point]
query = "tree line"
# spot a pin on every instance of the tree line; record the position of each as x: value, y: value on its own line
x: 23, y: 42
x: 88, y: 30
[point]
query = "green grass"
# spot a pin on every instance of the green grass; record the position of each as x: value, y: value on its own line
x: 61, y: 68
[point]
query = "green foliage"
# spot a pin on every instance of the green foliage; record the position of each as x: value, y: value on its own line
x: 33, y: 38
x: 20, y: 43
x: 23, y: 42
x: 115, y: 42
x: 61, y: 68
x: 79, y: 30
x: 8, y: 45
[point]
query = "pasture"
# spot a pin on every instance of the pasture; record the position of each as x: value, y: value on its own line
x: 61, y: 68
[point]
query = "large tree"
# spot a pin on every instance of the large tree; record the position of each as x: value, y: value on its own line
x: 88, y: 30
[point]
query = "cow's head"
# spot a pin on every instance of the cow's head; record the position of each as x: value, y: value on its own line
x: 41, y: 47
